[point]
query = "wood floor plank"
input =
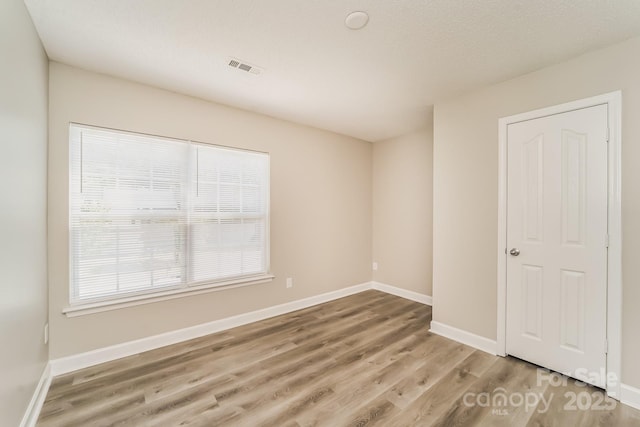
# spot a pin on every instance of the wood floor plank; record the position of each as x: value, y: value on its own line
x: 363, y: 360
x: 425, y: 375
x: 230, y: 347
x: 360, y: 384
x: 276, y: 397
x: 363, y: 390
x: 436, y: 401
x: 563, y: 408
x: 131, y: 382
x: 299, y: 378
x: 227, y: 339
x: 509, y: 378
x: 378, y: 412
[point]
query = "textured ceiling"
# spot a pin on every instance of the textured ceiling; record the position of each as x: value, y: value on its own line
x: 372, y: 84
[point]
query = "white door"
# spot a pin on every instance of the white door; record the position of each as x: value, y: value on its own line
x: 557, y: 242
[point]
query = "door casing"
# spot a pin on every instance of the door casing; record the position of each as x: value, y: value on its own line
x: 614, y: 226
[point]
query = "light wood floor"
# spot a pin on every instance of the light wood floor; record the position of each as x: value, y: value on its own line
x: 367, y: 359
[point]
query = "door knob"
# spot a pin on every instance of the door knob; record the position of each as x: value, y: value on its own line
x: 515, y: 252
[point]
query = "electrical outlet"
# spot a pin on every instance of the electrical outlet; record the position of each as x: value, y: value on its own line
x: 46, y: 333
x: 375, y: 266
x: 289, y: 282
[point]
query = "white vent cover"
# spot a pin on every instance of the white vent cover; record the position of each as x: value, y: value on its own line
x: 244, y: 66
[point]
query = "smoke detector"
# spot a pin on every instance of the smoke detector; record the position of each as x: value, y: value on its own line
x: 356, y: 20
x: 244, y: 66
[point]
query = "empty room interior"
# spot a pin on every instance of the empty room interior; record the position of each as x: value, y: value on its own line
x: 320, y: 213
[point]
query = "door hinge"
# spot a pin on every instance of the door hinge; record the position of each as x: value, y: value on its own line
x: 606, y: 346
x: 608, y: 132
x: 606, y: 241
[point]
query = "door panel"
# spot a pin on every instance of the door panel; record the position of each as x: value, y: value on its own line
x: 557, y: 218
x: 574, y: 187
x: 572, y: 310
x: 532, y: 285
x: 532, y: 163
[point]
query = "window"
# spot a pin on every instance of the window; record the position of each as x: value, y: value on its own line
x: 150, y: 214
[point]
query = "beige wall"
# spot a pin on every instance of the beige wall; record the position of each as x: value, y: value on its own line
x: 23, y: 217
x: 320, y: 204
x: 466, y: 183
x: 402, y: 211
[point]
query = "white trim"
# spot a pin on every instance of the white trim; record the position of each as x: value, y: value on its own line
x: 130, y: 301
x: 614, y: 259
x: 630, y: 396
x: 402, y: 293
x: 74, y: 362
x: 464, y: 337
x: 83, y: 360
x: 502, y: 239
x: 37, y: 400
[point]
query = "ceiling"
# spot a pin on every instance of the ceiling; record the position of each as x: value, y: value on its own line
x: 373, y: 84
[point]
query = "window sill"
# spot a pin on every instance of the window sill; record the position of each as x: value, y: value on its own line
x: 115, y: 304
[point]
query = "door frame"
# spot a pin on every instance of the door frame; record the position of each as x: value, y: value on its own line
x: 614, y: 225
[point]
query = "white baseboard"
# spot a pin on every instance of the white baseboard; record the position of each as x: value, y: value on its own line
x: 630, y: 396
x: 464, y: 337
x: 37, y: 400
x: 84, y: 360
x: 403, y: 293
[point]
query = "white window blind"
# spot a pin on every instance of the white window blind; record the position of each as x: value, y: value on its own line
x: 150, y: 214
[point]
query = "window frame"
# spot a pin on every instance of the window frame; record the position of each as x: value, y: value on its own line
x: 79, y: 306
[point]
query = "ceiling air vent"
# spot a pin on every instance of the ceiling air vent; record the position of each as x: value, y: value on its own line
x: 241, y: 65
